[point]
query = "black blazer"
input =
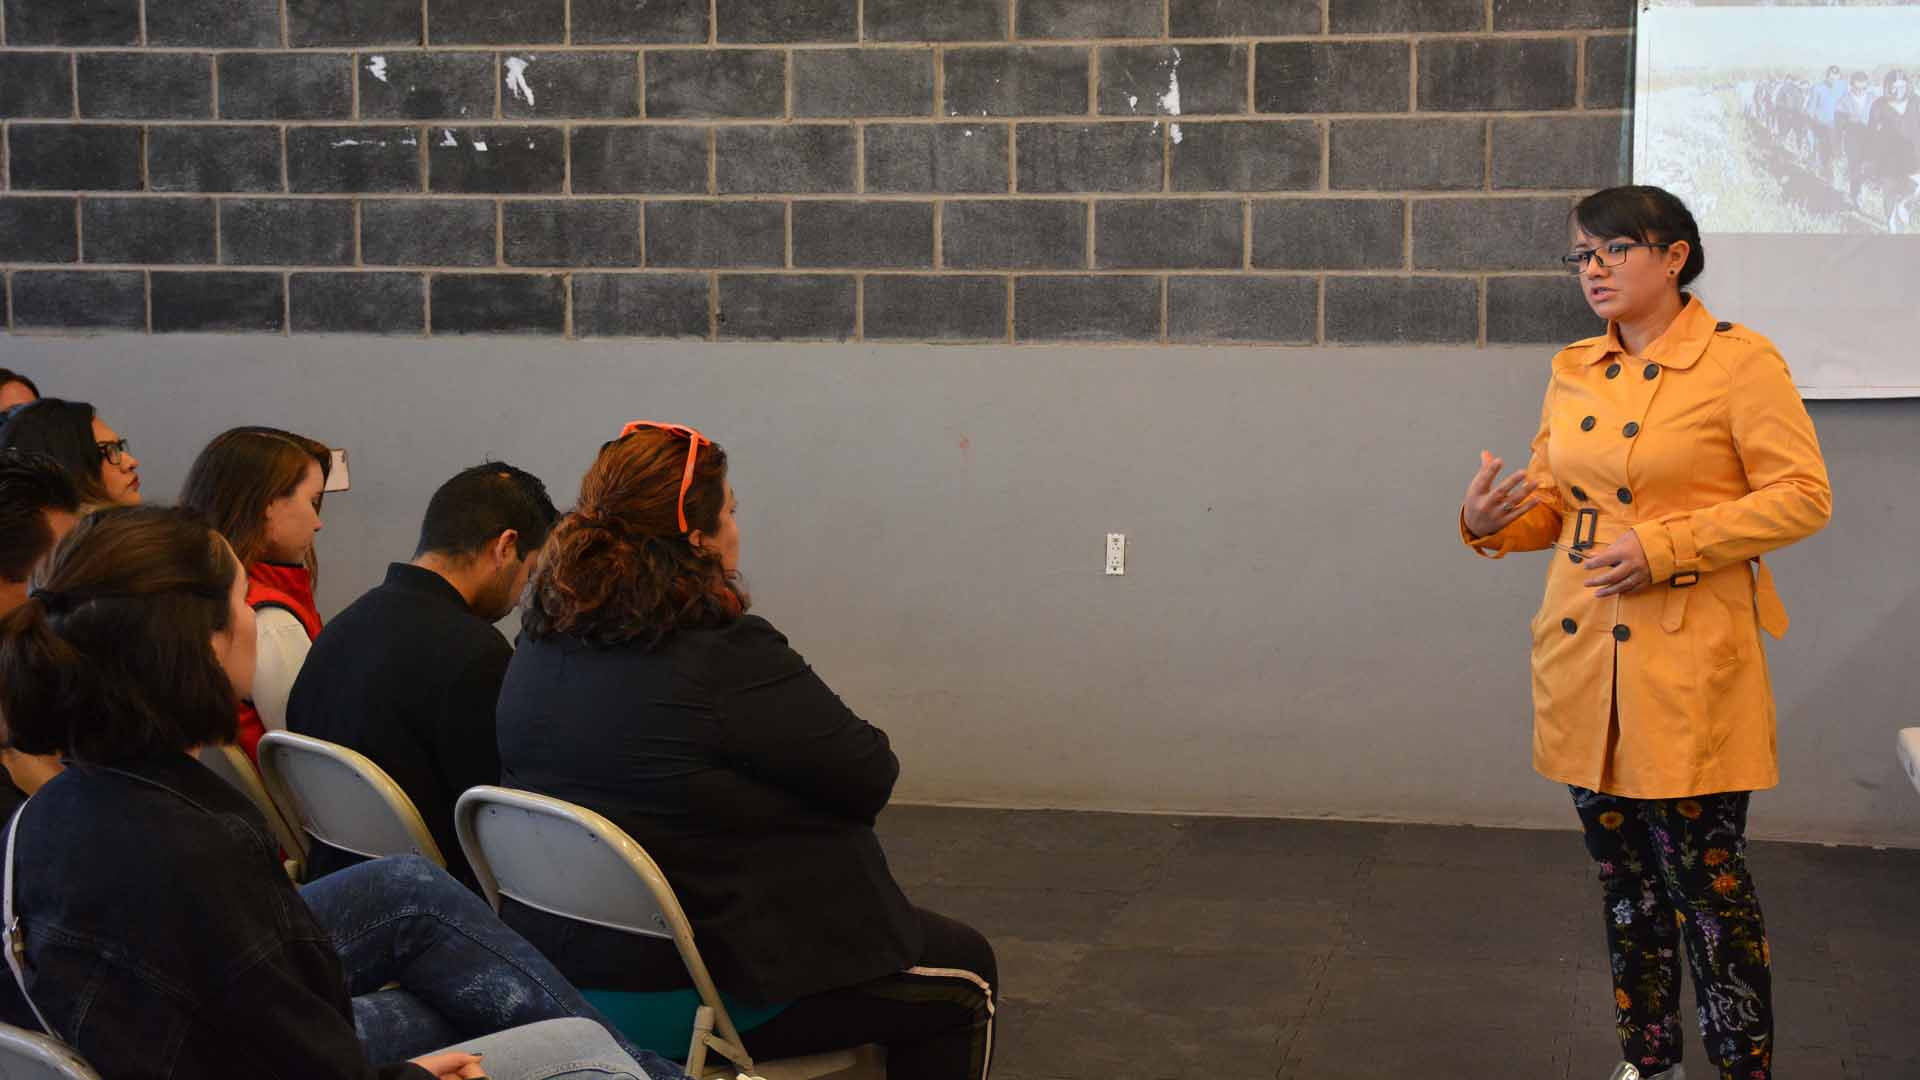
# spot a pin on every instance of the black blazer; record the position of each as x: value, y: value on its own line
x: 163, y: 937
x: 750, y: 783
x: 408, y: 676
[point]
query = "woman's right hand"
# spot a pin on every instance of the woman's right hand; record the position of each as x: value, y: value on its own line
x: 1491, y: 506
x: 452, y: 1066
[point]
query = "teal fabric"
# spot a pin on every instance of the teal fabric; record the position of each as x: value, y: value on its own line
x: 662, y: 1021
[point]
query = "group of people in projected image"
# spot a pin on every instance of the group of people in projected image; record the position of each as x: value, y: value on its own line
x: 1856, y: 134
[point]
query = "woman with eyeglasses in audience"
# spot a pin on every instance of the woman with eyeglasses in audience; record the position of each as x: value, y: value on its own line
x: 72, y: 433
x: 156, y: 932
x: 1673, y: 452
x: 261, y: 488
x: 644, y: 690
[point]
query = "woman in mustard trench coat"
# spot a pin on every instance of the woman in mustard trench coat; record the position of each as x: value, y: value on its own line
x: 1673, y: 452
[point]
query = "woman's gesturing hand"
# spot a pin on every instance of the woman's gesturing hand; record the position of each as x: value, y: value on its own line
x: 1625, y: 563
x: 1490, y: 506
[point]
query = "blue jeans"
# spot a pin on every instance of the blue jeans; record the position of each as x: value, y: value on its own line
x: 462, y: 973
x: 553, y: 1050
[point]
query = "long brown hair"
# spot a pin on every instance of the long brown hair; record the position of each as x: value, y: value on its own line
x: 111, y: 658
x: 618, y: 570
x: 240, y: 473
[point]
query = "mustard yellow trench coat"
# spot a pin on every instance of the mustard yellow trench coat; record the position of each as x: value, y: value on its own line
x: 1704, y: 449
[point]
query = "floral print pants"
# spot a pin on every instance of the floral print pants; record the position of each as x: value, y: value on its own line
x: 1674, y: 871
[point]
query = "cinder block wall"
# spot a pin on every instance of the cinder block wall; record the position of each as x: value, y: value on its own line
x: 1278, y: 171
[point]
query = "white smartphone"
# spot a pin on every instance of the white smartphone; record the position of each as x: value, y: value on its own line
x: 337, y: 478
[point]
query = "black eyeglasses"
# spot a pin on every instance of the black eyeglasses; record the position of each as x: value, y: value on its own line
x: 1614, y: 255
x: 113, y: 451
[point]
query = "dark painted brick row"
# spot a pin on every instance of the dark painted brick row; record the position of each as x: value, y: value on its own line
x: 1358, y: 310
x: 254, y: 23
x: 1477, y: 74
x: 1433, y: 154
x: 1456, y: 234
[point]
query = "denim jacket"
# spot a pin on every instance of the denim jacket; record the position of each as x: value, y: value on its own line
x: 163, y: 938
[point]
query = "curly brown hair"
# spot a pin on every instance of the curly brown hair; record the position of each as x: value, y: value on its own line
x: 618, y: 570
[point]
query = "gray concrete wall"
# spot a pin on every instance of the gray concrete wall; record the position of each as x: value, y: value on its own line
x: 1299, y: 631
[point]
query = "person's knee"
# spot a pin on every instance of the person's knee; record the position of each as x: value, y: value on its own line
x: 416, y: 879
x: 975, y: 954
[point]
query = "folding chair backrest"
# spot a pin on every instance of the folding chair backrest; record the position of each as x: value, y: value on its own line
x: 343, y: 799
x: 230, y: 763
x: 29, y: 1055
x: 566, y: 860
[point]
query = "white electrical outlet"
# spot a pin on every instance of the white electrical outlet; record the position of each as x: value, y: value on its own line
x: 1116, y: 553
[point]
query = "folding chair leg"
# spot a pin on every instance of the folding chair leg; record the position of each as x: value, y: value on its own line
x: 702, y: 1029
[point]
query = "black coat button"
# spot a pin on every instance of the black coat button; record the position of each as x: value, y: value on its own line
x: 1578, y: 493
x: 1587, y: 424
x: 1625, y: 495
x: 1613, y: 371
x: 1569, y: 625
x: 1621, y: 633
x: 1631, y: 429
x: 1723, y: 327
x: 1652, y: 372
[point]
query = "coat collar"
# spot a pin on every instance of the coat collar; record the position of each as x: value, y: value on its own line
x: 1679, y: 348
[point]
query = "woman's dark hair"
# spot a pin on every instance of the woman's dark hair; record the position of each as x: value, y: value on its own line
x: 618, y: 569
x: 8, y: 375
x: 111, y: 658
x: 62, y: 430
x: 1886, y: 86
x: 240, y: 473
x: 1649, y: 215
x: 30, y: 485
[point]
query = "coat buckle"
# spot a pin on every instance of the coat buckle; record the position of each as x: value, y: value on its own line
x: 1586, y: 528
x: 1686, y: 579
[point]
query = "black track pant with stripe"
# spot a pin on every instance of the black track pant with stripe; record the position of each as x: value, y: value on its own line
x: 935, y: 1018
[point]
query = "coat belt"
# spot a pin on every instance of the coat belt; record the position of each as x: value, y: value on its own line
x: 1686, y: 573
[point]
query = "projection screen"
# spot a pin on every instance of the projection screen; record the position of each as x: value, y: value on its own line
x: 1794, y: 134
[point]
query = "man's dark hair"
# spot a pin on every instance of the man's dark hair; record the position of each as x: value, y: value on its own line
x: 30, y: 485
x: 479, y: 504
x: 8, y: 375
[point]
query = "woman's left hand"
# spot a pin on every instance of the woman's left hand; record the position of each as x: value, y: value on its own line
x: 1625, y: 564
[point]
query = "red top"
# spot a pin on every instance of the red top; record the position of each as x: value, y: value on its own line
x: 282, y: 586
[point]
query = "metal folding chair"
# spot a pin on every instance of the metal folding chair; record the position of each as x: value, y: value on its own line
x: 341, y: 798
x: 568, y: 861
x: 29, y: 1055
x: 230, y: 763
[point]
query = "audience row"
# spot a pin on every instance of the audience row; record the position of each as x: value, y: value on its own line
x: 641, y: 687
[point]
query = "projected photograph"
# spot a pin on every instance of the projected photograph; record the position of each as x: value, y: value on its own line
x: 1783, y: 119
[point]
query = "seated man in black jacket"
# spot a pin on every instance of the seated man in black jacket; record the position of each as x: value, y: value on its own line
x: 409, y: 673
x: 38, y: 505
